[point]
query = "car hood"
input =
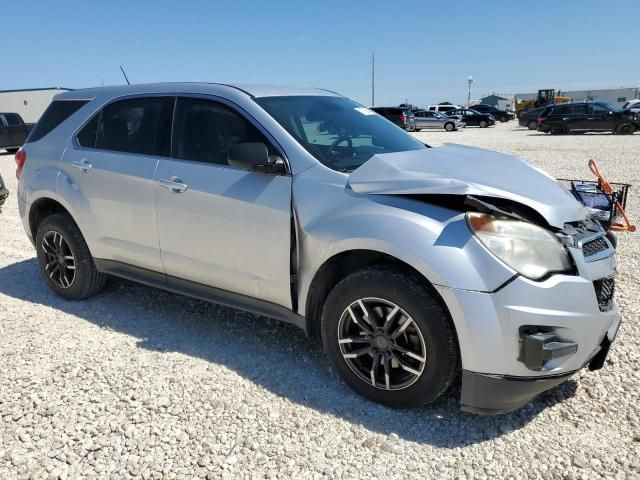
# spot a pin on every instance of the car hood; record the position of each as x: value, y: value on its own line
x: 461, y: 170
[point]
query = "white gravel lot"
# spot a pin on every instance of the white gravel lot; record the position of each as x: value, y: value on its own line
x: 140, y: 383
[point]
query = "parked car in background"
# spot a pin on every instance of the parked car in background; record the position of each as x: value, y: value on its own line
x: 442, y: 108
x: 472, y: 118
x: 13, y: 131
x: 4, y: 193
x: 501, y: 115
x: 400, y: 116
x: 633, y: 105
x: 415, y: 266
x: 427, y: 119
x: 529, y: 118
x: 587, y: 117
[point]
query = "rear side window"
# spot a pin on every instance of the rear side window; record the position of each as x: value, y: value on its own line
x: 13, y: 120
x: 58, y: 112
x: 129, y: 125
x: 88, y: 134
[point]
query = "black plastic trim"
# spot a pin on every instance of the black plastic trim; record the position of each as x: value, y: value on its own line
x: 486, y: 394
x: 200, y: 291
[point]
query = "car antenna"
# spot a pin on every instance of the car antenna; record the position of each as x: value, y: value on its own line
x: 125, y: 75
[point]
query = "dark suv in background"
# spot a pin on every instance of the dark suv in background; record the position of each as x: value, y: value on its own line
x: 587, y: 117
x: 501, y: 115
x: 529, y: 118
x: 402, y: 117
x: 13, y: 131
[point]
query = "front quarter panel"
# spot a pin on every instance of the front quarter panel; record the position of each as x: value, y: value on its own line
x: 434, y: 240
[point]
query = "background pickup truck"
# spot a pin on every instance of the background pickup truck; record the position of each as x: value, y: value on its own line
x: 13, y: 131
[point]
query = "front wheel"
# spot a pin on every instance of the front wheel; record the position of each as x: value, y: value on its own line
x: 65, y: 260
x: 504, y: 119
x: 483, y: 124
x: 389, y: 338
x: 624, y: 129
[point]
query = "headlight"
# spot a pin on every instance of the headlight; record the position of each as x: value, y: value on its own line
x: 530, y: 250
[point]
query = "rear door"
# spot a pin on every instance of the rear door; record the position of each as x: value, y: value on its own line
x: 574, y: 116
x: 218, y: 225
x: 111, y: 165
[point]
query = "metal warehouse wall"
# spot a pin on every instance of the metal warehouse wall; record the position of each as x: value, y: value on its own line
x: 30, y: 104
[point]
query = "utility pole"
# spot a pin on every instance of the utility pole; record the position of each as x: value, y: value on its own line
x: 373, y: 79
x: 469, y: 82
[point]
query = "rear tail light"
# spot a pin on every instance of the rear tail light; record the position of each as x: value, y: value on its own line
x: 403, y: 118
x: 21, y: 158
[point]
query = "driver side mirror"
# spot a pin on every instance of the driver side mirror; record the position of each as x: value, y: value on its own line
x: 254, y: 156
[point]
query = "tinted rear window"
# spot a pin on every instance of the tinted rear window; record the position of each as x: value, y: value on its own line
x: 57, y: 113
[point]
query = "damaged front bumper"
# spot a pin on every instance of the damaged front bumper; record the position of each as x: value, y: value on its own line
x: 487, y: 394
x: 529, y: 336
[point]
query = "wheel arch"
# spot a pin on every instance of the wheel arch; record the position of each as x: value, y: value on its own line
x: 41, y: 209
x: 342, y: 264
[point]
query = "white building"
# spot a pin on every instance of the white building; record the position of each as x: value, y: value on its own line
x: 29, y: 103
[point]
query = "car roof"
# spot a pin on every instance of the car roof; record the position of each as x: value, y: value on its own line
x: 252, y: 90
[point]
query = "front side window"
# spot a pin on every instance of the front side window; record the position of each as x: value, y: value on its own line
x: 129, y: 125
x: 12, y: 119
x: 595, y: 109
x: 338, y: 132
x: 205, y: 130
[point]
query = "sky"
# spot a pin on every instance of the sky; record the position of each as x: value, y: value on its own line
x: 424, y: 51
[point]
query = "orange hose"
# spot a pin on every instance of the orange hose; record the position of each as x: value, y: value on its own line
x: 606, y: 188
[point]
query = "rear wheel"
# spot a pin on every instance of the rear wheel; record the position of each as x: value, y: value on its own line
x: 416, y: 129
x: 449, y: 127
x: 558, y: 130
x: 12, y: 150
x: 504, y: 119
x: 483, y: 124
x: 389, y: 338
x: 532, y: 125
x: 65, y: 260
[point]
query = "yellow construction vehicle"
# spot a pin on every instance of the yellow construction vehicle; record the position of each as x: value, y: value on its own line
x: 545, y: 97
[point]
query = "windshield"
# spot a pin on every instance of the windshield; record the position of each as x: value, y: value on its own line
x: 337, y: 131
x: 612, y: 107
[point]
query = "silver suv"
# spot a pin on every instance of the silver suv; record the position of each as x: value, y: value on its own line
x: 413, y: 264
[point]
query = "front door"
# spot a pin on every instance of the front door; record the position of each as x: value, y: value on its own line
x: 110, y: 167
x: 599, y: 117
x: 221, y: 226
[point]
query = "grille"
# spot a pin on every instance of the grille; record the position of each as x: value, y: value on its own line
x: 594, y: 246
x: 605, y: 289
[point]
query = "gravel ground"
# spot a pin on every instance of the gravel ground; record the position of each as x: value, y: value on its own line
x: 137, y: 382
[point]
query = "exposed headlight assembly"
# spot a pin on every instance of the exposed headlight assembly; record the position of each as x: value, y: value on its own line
x: 530, y: 250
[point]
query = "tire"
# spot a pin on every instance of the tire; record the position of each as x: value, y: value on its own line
x: 430, y: 336
x: 416, y: 130
x: 79, y: 282
x: 504, y: 119
x: 625, y: 129
x: 532, y: 125
x: 449, y: 127
x: 558, y: 130
x: 12, y: 150
x: 483, y: 124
